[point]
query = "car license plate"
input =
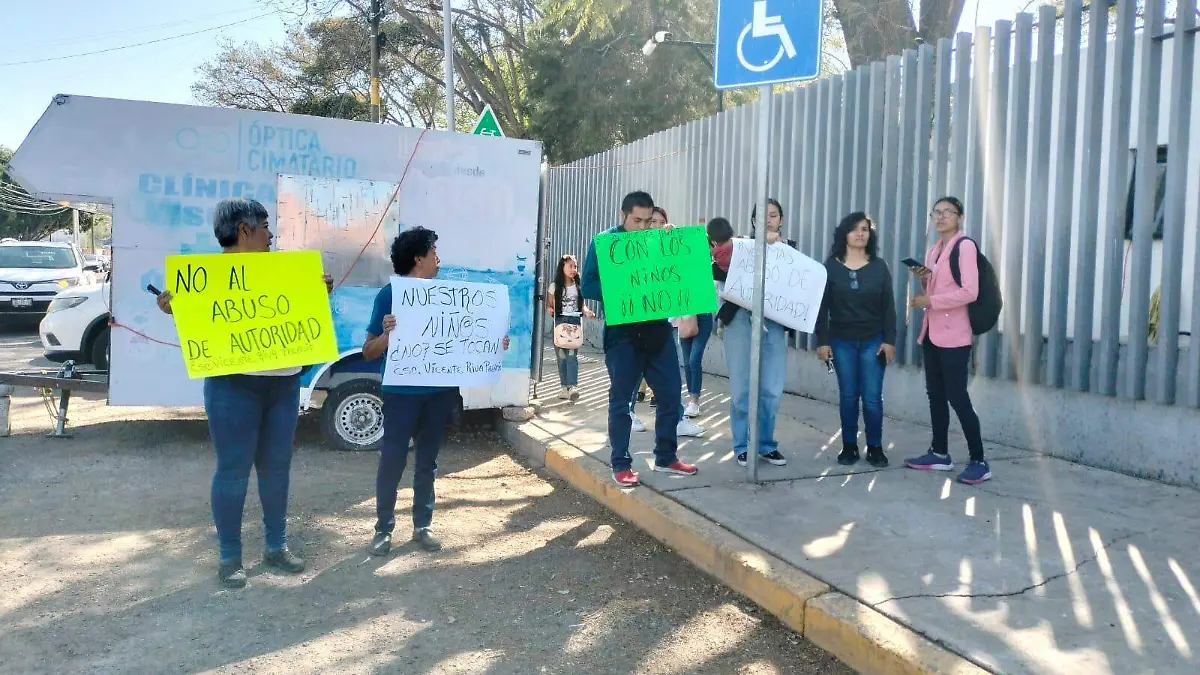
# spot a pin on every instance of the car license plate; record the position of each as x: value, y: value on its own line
x: 22, y: 302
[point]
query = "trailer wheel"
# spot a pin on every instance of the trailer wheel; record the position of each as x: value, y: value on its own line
x: 352, y: 416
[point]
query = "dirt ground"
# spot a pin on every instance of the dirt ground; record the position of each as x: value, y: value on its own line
x: 107, y: 564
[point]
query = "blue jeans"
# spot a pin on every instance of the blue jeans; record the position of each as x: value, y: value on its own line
x: 626, y: 366
x: 633, y: 399
x: 693, y: 353
x: 772, y: 370
x: 408, y: 416
x: 860, y: 376
x: 252, y: 421
x: 568, y: 359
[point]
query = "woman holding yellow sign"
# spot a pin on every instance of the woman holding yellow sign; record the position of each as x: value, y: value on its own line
x: 252, y: 421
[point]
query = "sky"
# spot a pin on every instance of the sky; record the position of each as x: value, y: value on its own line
x: 164, y: 70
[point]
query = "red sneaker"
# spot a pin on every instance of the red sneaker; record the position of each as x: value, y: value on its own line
x: 679, y: 468
x: 626, y: 478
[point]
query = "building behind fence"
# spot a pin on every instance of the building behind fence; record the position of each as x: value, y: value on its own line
x: 1076, y: 156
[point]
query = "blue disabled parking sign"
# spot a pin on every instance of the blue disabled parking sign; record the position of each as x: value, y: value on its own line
x: 767, y: 42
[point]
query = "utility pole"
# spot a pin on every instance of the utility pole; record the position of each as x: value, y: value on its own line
x: 375, y: 61
x: 448, y: 46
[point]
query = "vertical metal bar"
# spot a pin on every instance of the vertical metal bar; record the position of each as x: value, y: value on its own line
x: 940, y: 164
x: 1064, y: 195
x: 977, y: 133
x: 832, y: 161
x: 901, y: 221
x: 1175, y: 205
x: 1034, y: 287
x: 845, y: 143
x: 1144, y: 201
x: 745, y: 168
x: 922, y: 129
x: 1091, y: 137
x: 862, y: 130
x: 760, y: 267
x: 1113, y: 226
x: 1016, y: 199
x: 539, y: 275
x: 815, y: 158
x: 996, y: 166
x: 960, y: 124
x: 887, y: 198
x: 793, y: 179
x: 872, y: 199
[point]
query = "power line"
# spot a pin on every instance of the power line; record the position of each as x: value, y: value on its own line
x: 138, y: 44
x: 128, y: 31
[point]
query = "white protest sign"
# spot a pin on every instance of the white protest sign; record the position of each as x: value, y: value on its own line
x: 795, y: 284
x: 448, y: 333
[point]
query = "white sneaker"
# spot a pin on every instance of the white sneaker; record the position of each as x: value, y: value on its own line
x: 692, y: 409
x: 573, y: 393
x: 564, y: 393
x: 687, y: 427
x: 637, y: 424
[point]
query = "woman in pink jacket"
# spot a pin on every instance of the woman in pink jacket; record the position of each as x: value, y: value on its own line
x: 946, y: 339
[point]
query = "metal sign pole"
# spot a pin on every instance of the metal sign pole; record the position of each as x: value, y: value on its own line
x: 448, y: 46
x: 760, y: 268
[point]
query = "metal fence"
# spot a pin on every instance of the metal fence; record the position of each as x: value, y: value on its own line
x: 1078, y: 171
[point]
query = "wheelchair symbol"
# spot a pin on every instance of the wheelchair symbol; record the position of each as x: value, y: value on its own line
x: 761, y: 26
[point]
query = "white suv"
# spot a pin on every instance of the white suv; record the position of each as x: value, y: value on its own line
x: 33, y: 272
x: 76, y: 326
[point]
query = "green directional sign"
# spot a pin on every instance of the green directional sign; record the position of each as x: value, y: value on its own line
x: 487, y: 125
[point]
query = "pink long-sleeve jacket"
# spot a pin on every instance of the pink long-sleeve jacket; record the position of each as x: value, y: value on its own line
x: 946, y: 323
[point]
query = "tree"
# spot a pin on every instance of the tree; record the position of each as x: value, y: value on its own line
x: 27, y: 218
x: 596, y: 90
x: 877, y: 29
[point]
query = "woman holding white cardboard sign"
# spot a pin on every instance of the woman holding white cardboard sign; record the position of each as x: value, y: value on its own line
x: 252, y: 421
x: 566, y: 306
x: 856, y: 331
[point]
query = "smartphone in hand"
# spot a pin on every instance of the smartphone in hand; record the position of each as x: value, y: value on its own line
x: 912, y: 264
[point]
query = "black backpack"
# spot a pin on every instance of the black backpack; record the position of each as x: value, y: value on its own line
x: 985, y: 311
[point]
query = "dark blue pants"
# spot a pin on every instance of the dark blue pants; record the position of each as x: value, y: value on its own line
x: 693, y: 353
x: 626, y: 366
x: 860, y: 377
x: 252, y: 421
x: 407, y: 416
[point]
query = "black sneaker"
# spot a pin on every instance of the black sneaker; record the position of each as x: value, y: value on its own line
x: 231, y: 574
x: 875, y: 457
x: 742, y: 459
x: 284, y: 561
x: 849, y: 454
x: 382, y: 543
x: 775, y: 458
x: 426, y: 540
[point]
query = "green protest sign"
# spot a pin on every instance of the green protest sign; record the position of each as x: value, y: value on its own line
x: 655, y: 274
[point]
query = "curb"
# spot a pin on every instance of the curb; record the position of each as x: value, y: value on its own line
x: 856, y: 634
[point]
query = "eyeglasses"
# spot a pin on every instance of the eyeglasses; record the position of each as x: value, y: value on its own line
x: 943, y: 213
x: 854, y: 280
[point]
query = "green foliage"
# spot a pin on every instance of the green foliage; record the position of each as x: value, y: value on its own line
x: 17, y: 223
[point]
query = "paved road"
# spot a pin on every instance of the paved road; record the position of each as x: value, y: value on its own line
x: 107, y: 565
x: 20, y: 348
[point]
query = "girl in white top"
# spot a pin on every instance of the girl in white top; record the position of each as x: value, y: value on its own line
x: 565, y: 305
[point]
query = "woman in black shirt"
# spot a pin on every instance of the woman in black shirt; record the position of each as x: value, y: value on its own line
x: 856, y: 328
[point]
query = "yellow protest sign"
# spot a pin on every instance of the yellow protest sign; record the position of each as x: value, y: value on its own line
x: 245, y: 312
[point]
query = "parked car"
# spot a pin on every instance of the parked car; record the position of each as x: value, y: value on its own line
x: 76, y: 326
x: 33, y: 272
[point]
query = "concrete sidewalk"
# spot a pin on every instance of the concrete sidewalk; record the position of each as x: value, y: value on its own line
x: 1052, y: 567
